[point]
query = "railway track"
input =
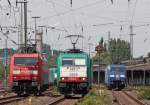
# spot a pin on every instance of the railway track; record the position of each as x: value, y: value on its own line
x: 123, y: 98
x: 2, y: 91
x: 10, y: 99
x: 14, y: 98
x: 63, y: 101
x: 57, y: 100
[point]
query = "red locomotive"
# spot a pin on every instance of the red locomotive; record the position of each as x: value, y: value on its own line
x: 28, y: 74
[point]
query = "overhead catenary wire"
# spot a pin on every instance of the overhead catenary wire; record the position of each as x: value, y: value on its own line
x: 76, y: 9
x: 134, y: 10
x: 1, y: 30
x: 79, y: 11
x: 83, y: 13
x: 9, y: 2
x: 73, y: 17
x: 146, y: 38
x: 58, y: 15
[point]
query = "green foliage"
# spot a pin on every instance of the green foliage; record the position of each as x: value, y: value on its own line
x: 55, y: 92
x: 10, y: 51
x: 93, y: 99
x: 1, y: 71
x: 52, y: 59
x: 104, y: 58
x: 145, y: 94
x: 119, y: 50
x: 116, y: 51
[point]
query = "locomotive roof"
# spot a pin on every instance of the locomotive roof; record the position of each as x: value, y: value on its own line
x: 26, y: 55
x: 70, y: 54
x: 74, y: 51
x: 74, y: 55
x: 116, y: 65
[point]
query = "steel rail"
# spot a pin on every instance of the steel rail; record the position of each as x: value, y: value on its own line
x: 10, y: 99
x: 57, y: 100
x: 117, y: 100
x: 133, y: 98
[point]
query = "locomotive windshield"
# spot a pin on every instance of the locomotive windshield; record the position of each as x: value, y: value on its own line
x: 25, y: 61
x: 67, y: 62
x: 79, y: 62
x: 73, y: 62
x: 117, y: 69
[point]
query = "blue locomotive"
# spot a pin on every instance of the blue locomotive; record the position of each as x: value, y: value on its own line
x: 115, y: 76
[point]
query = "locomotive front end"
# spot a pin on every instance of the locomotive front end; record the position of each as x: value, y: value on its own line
x: 27, y: 74
x: 73, y: 73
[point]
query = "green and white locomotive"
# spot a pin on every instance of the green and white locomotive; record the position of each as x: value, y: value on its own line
x: 73, y: 72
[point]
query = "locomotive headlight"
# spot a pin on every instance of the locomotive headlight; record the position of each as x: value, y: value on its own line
x: 16, y: 72
x: 122, y: 75
x: 34, y: 72
x: 63, y: 78
x: 112, y: 75
x: 83, y: 79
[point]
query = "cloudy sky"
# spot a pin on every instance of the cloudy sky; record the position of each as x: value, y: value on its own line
x: 97, y: 17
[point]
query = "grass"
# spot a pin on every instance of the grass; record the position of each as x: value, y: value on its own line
x: 55, y: 92
x: 92, y: 98
x: 144, y: 93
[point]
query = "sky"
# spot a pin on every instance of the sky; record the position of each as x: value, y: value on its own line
x: 97, y: 17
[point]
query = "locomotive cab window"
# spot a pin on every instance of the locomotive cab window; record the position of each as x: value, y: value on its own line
x: 79, y: 62
x: 73, y: 62
x: 67, y: 62
x: 25, y: 61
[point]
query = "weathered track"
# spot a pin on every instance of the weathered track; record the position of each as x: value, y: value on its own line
x: 57, y: 100
x: 63, y: 101
x: 2, y: 91
x: 14, y: 98
x: 10, y: 99
x: 123, y: 98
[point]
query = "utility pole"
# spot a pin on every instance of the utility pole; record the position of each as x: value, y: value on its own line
x: 108, y: 35
x: 25, y: 21
x: 35, y: 20
x: 99, y: 50
x: 120, y: 35
x: 131, y: 41
x: 90, y: 44
x: 6, y: 62
x: 108, y: 40
x: 99, y: 71
x: 21, y: 28
x: 6, y: 58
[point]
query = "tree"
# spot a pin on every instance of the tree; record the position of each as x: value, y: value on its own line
x: 119, y: 50
x: 116, y: 51
x: 102, y: 56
